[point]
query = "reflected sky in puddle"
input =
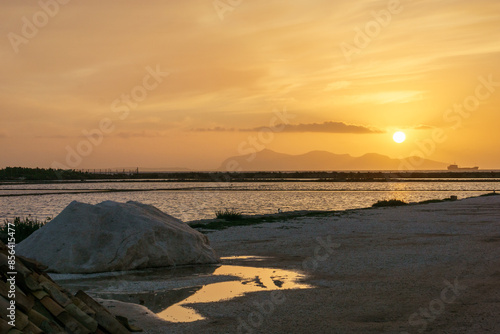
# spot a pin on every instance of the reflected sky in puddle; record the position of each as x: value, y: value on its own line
x: 245, y: 258
x: 168, y: 292
x: 250, y: 279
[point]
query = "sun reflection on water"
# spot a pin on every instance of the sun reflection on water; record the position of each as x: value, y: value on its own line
x: 249, y: 279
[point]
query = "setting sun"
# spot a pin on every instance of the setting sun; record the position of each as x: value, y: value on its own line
x: 399, y: 137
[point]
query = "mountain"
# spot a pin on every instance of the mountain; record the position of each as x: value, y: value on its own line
x: 267, y: 160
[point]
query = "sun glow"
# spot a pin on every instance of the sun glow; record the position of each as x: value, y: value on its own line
x: 399, y: 137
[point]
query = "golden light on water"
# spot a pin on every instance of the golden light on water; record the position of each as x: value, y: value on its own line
x: 250, y: 279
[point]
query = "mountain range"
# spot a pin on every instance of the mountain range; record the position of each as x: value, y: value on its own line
x: 267, y: 160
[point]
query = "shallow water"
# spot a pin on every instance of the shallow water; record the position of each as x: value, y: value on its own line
x: 250, y: 279
x: 191, y: 201
x: 169, y: 292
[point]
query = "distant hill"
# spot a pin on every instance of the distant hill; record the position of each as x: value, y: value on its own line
x: 267, y: 160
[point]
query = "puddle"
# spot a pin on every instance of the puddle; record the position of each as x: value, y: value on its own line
x: 250, y: 279
x: 169, y: 291
x: 246, y: 258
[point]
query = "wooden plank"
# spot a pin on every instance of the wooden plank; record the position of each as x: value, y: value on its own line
x: 82, y: 317
x: 4, y: 326
x: 37, y: 318
x: 4, y: 304
x: 21, y: 269
x: 4, y: 263
x: 52, y: 328
x: 54, y: 292
x: 84, y: 307
x: 71, y: 325
x: 24, y: 302
x: 40, y: 294
x: 32, y: 283
x: 21, y: 320
x: 54, y: 308
x: 32, y: 264
x: 105, y: 319
x: 32, y: 329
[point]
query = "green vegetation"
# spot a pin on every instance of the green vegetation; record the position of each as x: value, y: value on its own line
x: 227, y: 214
x: 43, y: 174
x: 20, y: 229
x: 261, y: 219
x: 390, y: 202
x: 39, y: 174
x: 223, y: 224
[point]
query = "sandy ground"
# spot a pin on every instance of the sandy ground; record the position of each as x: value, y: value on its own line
x: 431, y: 268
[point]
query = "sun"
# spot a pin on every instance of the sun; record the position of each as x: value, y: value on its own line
x: 399, y: 137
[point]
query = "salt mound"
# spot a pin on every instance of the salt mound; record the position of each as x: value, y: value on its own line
x: 111, y: 236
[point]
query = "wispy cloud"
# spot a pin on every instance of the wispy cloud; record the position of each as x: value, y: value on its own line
x: 138, y: 134
x: 383, y: 97
x: 424, y: 127
x: 121, y: 134
x: 215, y: 129
x: 337, y: 85
x: 56, y: 136
x: 325, y: 127
x: 228, y: 76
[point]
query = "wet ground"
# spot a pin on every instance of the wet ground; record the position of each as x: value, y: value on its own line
x: 167, y: 292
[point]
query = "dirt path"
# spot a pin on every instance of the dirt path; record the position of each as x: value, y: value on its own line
x: 432, y: 268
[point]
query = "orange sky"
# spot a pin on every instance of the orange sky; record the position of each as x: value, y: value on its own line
x: 348, y: 74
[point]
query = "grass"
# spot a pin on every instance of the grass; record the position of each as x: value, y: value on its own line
x: 223, y: 224
x: 490, y: 194
x: 249, y: 220
x: 390, y: 202
x: 227, y: 214
x: 22, y: 228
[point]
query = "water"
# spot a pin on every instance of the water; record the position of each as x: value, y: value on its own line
x: 191, y: 201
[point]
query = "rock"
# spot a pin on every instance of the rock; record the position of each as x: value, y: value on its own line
x: 113, y: 236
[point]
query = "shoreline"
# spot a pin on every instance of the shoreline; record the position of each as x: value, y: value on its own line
x: 273, y: 217
x: 373, y: 271
x: 74, y: 176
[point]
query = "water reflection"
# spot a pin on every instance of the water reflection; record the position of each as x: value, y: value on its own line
x: 250, y: 279
x: 249, y: 198
x: 245, y: 258
x: 168, y: 292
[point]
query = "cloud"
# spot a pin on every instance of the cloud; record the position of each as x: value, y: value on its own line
x: 215, y: 129
x: 423, y: 127
x: 325, y: 127
x: 122, y: 134
x: 55, y: 136
x: 337, y: 85
x: 140, y: 134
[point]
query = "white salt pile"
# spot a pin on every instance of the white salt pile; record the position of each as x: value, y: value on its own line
x: 113, y: 236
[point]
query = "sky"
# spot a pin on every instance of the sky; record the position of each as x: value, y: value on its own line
x: 159, y: 84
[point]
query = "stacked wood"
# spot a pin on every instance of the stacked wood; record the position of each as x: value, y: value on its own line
x: 42, y: 306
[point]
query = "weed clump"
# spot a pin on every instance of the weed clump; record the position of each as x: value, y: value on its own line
x: 390, y: 202
x: 20, y: 229
x: 228, y: 214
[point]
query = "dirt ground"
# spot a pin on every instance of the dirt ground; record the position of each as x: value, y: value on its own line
x: 432, y: 268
